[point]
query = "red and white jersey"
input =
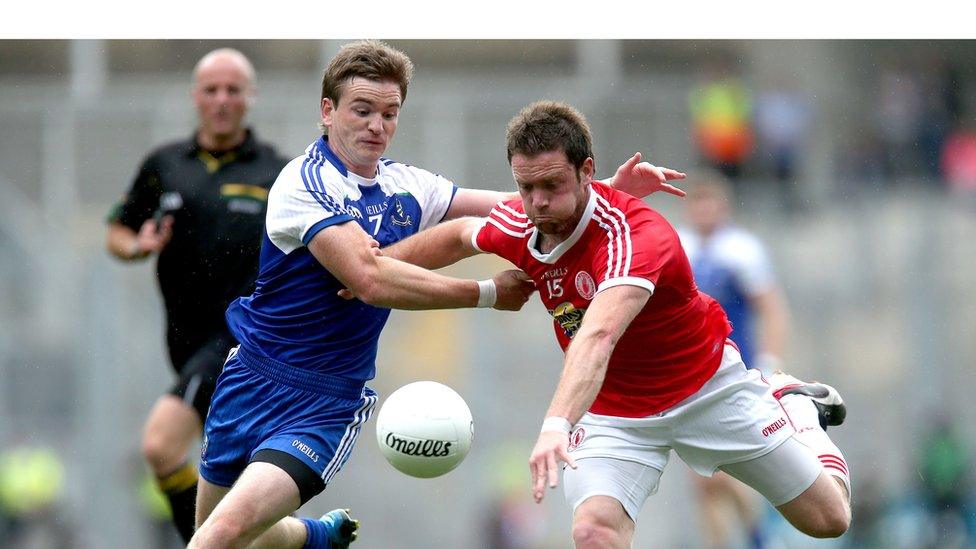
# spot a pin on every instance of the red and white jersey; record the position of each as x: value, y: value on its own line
x: 675, y: 343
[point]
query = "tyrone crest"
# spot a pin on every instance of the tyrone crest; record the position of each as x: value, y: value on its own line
x: 576, y: 438
x: 585, y: 285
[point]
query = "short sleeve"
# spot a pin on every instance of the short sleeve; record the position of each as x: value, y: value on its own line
x: 751, y: 264
x: 142, y: 198
x: 502, y: 233
x: 481, y: 239
x: 632, y: 252
x: 300, y: 205
x: 436, y: 195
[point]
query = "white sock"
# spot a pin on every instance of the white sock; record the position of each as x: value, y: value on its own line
x: 803, y: 413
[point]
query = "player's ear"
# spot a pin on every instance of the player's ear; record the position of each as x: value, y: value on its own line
x: 328, y: 110
x: 587, y: 170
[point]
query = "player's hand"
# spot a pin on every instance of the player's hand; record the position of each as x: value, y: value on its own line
x: 513, y: 288
x: 549, y: 451
x: 641, y: 179
x: 153, y: 237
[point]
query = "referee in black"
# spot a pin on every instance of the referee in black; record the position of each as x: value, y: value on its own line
x: 198, y: 204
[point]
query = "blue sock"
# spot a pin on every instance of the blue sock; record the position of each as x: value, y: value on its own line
x: 318, y: 534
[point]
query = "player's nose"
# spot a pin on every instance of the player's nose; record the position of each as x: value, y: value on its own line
x: 539, y: 201
x: 376, y: 125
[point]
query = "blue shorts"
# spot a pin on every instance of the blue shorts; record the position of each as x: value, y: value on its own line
x: 261, y: 405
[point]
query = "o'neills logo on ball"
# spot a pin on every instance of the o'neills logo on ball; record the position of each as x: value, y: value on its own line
x: 585, y: 285
x: 419, y: 447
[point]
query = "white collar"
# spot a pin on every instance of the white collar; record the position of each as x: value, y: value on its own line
x: 357, y: 179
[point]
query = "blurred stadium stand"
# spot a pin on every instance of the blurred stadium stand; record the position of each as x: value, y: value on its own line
x: 877, y: 260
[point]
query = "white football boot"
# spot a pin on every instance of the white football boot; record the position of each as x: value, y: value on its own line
x: 830, y: 406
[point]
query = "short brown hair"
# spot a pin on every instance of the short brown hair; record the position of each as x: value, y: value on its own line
x: 546, y: 126
x: 368, y: 59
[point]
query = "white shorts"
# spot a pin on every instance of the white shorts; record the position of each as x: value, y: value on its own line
x: 732, y: 419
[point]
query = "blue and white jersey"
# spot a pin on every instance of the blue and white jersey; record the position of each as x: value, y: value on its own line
x: 294, y: 315
x: 731, y: 265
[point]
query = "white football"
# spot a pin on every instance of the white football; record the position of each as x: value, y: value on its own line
x: 424, y: 429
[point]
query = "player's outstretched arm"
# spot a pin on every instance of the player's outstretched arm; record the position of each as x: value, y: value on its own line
x: 348, y: 253
x: 476, y: 202
x: 608, y: 316
x: 439, y: 246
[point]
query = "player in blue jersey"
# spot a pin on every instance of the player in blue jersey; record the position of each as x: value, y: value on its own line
x: 292, y: 398
x: 731, y: 265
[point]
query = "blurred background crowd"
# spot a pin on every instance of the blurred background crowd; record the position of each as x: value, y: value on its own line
x: 854, y: 161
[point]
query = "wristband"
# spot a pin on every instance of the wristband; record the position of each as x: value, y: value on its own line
x: 556, y: 424
x: 487, y: 295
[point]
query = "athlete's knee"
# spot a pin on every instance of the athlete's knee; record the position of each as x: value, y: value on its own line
x: 162, y: 453
x: 588, y: 534
x: 836, y: 521
x: 223, y: 531
x: 831, y: 521
x: 167, y: 435
x: 591, y: 532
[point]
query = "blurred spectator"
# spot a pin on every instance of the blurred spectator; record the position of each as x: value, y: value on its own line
x: 783, y: 116
x: 868, y: 508
x: 513, y: 521
x: 31, y: 488
x: 721, y: 116
x: 860, y: 165
x: 942, y: 106
x: 958, y: 162
x: 951, y: 85
x: 946, y: 483
x: 899, y: 121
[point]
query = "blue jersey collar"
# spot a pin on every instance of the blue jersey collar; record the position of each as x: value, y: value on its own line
x: 322, y: 145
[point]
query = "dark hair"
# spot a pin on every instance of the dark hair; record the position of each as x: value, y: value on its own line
x: 368, y: 59
x: 546, y: 126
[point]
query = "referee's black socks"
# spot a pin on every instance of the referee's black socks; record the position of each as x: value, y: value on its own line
x: 180, y: 488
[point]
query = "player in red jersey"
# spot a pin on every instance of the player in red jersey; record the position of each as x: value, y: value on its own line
x: 648, y: 366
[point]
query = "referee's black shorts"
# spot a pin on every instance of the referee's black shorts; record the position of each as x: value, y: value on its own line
x: 198, y: 375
